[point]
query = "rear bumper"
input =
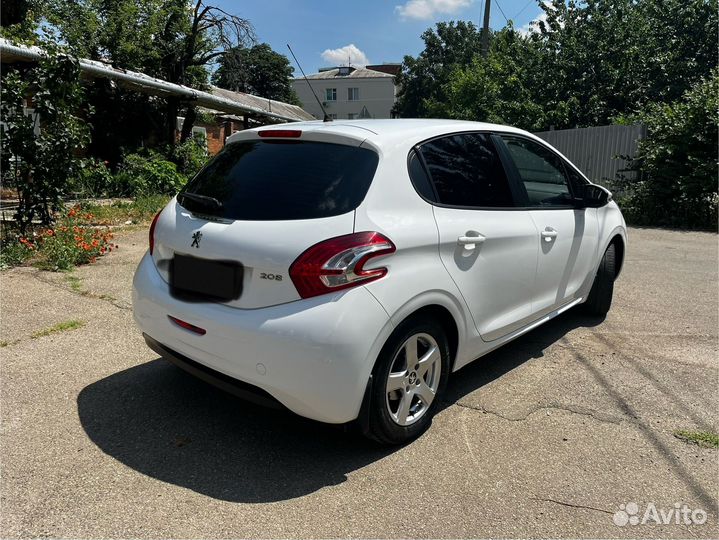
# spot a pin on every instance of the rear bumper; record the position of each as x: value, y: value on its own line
x: 313, y: 356
x: 220, y: 380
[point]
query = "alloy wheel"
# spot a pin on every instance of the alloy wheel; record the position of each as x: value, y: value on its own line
x: 413, y: 379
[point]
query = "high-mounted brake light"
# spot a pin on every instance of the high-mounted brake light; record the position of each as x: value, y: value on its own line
x: 281, y: 133
x: 338, y: 263
x: 152, y: 231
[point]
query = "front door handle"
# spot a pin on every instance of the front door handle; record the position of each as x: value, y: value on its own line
x: 470, y: 242
x: 549, y: 234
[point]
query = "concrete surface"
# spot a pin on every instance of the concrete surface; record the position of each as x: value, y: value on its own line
x: 545, y: 437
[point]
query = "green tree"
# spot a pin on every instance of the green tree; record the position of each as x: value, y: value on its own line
x: 39, y: 151
x: 176, y: 40
x: 677, y: 162
x: 500, y: 88
x: 256, y: 70
x: 603, y: 58
x: 19, y: 20
x: 447, y: 47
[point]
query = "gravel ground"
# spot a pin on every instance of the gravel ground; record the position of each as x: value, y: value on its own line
x: 547, y: 436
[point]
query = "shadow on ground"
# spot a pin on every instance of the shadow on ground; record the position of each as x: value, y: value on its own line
x: 165, y: 424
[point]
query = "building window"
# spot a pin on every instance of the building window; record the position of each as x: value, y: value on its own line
x: 353, y: 94
x: 352, y: 116
x: 331, y: 94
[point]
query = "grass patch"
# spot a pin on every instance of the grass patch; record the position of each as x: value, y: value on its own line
x: 75, y: 283
x: 4, y: 344
x: 141, y: 210
x: 59, y: 327
x: 705, y: 439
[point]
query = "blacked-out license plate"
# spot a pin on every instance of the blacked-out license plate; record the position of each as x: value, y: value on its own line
x: 204, y: 279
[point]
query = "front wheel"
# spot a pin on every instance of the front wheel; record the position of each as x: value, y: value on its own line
x: 408, y: 379
x: 600, y: 296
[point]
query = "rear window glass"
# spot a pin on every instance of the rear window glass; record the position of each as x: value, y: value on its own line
x: 281, y: 180
x: 466, y: 171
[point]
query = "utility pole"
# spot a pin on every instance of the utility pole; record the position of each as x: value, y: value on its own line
x: 485, y: 29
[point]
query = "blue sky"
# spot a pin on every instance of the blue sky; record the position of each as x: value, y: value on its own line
x: 383, y: 30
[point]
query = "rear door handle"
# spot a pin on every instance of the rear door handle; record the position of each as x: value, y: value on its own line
x: 470, y: 242
x: 549, y: 234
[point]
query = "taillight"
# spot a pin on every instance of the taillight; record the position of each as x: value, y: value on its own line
x: 152, y: 231
x: 338, y: 263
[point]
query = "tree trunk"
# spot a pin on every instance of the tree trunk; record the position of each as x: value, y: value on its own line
x: 190, y: 117
x: 173, y: 106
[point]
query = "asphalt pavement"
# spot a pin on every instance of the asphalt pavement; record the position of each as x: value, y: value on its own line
x: 567, y: 432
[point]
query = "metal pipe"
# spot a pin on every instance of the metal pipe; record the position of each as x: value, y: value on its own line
x: 133, y: 78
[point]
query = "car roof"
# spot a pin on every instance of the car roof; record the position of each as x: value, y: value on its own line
x: 389, y: 132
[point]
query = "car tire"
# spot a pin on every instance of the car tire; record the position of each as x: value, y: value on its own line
x: 399, y: 414
x: 600, y: 296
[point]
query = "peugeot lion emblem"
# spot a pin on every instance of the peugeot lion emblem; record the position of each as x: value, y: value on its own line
x: 196, y: 237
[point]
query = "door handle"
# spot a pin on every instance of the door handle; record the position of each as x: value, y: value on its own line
x: 470, y: 242
x: 549, y: 234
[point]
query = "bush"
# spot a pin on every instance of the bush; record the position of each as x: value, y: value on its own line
x: 14, y: 251
x: 148, y: 174
x: 191, y: 155
x: 141, y: 210
x: 94, y: 180
x: 40, y: 162
x: 70, y: 244
x: 677, y: 163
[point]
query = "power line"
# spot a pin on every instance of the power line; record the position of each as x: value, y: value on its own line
x: 525, y: 7
x: 502, y: 11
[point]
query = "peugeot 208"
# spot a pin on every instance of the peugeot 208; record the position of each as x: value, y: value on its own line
x: 345, y: 269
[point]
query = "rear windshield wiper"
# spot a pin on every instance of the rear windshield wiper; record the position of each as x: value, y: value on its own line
x: 204, y: 200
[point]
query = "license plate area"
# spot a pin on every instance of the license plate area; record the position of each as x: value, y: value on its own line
x: 205, y: 280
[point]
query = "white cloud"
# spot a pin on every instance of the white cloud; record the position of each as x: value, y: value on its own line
x: 533, y: 25
x: 427, y: 9
x: 338, y: 57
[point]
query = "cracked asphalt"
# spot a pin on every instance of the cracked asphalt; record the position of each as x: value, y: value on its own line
x: 545, y: 437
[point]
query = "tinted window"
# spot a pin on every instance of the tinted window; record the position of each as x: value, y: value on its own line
x: 541, y: 171
x: 419, y: 177
x: 466, y: 171
x: 278, y: 180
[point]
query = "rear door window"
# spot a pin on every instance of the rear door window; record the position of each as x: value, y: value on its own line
x: 466, y: 171
x: 281, y: 180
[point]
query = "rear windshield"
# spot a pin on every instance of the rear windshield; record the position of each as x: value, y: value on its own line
x: 279, y: 180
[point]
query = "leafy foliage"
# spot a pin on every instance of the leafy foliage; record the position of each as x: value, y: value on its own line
x: 39, y: 150
x: 176, y: 40
x: 498, y: 88
x: 256, y: 70
x: 589, y: 62
x: 448, y: 48
x: 93, y: 179
x: 191, y: 155
x: 70, y: 244
x: 678, y: 162
x: 148, y: 173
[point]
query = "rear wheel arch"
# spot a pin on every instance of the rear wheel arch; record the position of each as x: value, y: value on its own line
x: 444, y: 317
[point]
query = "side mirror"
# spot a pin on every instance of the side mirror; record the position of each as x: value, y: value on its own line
x: 593, y: 196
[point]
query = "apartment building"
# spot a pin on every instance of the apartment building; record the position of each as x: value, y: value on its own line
x: 350, y: 93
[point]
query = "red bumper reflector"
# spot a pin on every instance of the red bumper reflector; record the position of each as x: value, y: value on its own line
x: 187, y: 326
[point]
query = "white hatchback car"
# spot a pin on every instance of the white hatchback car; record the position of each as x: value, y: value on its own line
x: 344, y: 269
